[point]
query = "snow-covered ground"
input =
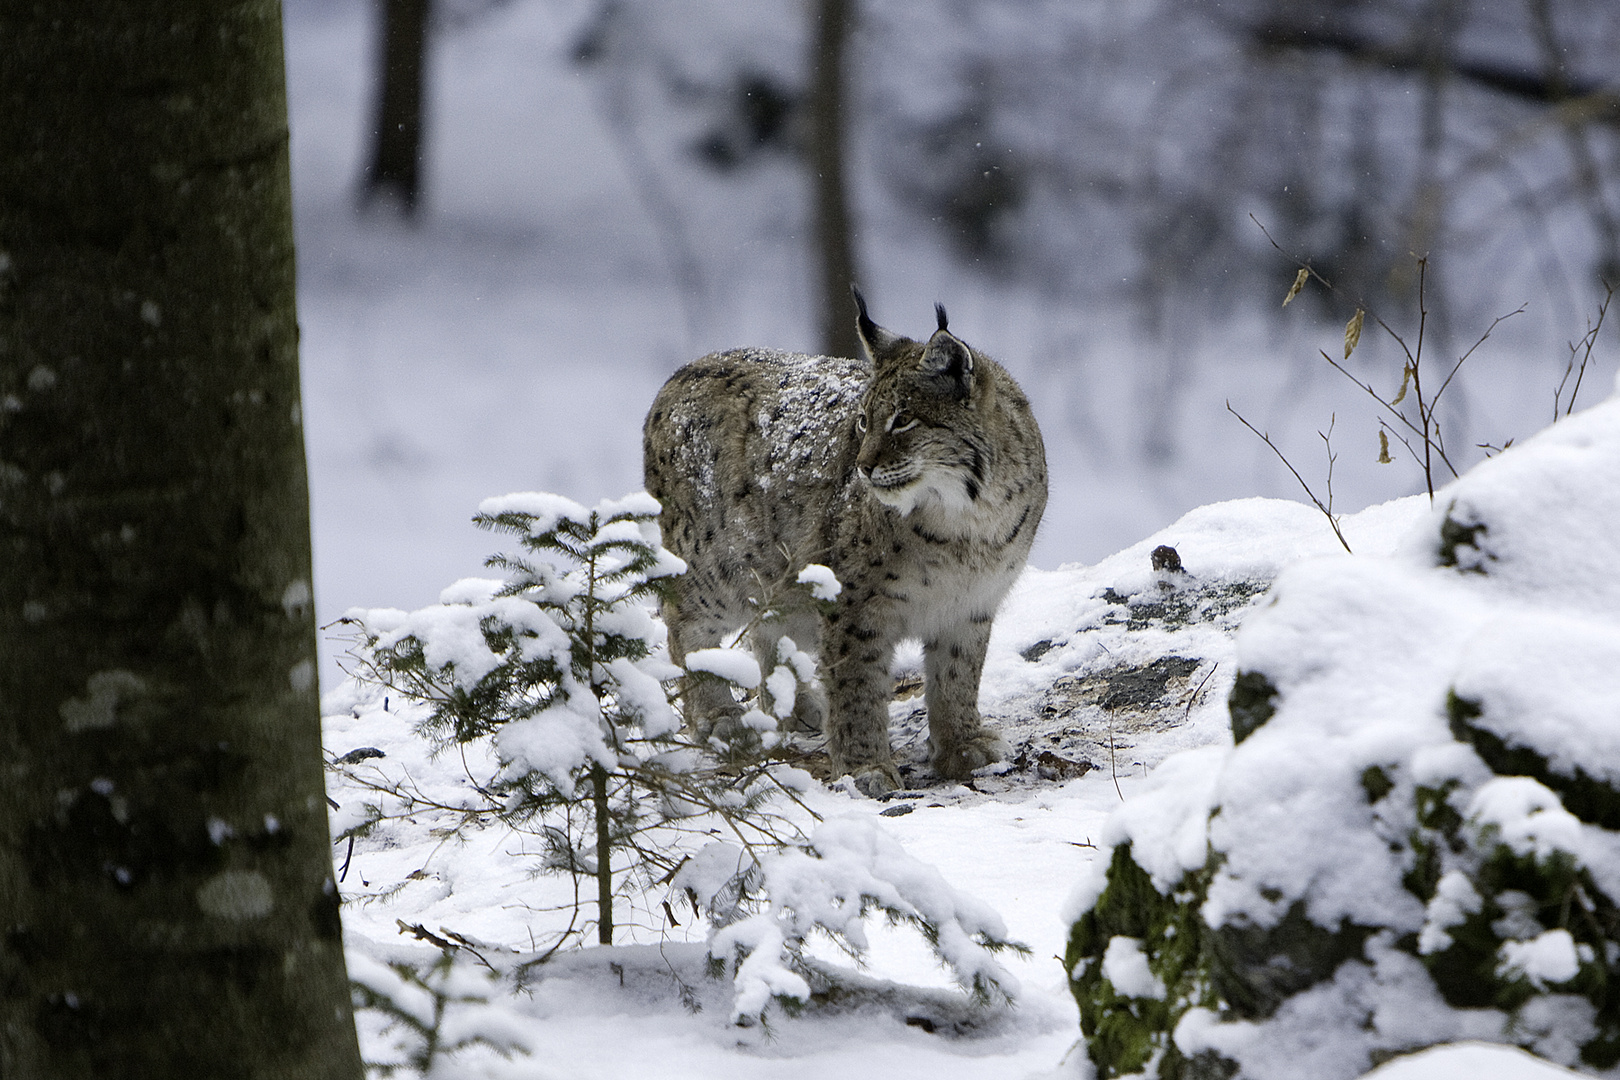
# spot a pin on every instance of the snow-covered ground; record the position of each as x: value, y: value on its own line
x: 1378, y: 702
x: 1095, y: 675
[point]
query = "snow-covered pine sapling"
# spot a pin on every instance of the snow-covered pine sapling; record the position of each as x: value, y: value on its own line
x: 429, y: 1012
x: 559, y: 669
x: 849, y: 869
x: 769, y: 701
x: 778, y: 672
x: 560, y: 666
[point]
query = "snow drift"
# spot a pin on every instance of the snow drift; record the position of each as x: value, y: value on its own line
x: 1413, y: 840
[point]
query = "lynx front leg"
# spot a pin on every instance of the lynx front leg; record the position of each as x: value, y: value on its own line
x: 856, y: 661
x: 952, y: 664
x: 707, y: 703
x: 804, y: 630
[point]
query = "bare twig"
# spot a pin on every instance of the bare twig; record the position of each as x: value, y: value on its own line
x: 1427, y: 425
x: 1458, y: 365
x: 343, y: 874
x: 1113, y: 767
x: 1327, y: 443
x: 1417, y: 381
x: 1326, y: 508
x: 1583, y: 347
x: 1396, y: 413
x: 1193, y: 698
x: 1357, y: 300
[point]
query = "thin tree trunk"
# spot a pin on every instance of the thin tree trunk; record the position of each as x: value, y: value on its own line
x: 166, y: 884
x: 828, y: 135
x: 396, y: 156
x: 1428, y: 226
x: 604, y: 856
x: 1584, y: 162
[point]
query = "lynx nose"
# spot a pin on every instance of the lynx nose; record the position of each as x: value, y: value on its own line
x: 866, y: 460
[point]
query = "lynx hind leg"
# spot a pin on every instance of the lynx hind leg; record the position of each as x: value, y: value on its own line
x: 809, y: 701
x: 957, y: 736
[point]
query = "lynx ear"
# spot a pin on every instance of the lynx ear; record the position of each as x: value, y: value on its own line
x: 877, y: 341
x: 949, y: 361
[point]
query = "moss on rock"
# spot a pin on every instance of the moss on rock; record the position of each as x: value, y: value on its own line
x: 1252, y: 703
x: 1124, y: 1033
x: 1503, y: 749
x: 1254, y: 969
x: 1460, y: 546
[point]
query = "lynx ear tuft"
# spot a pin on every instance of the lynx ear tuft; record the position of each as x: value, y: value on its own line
x: 876, y: 340
x: 950, y: 361
x: 939, y: 313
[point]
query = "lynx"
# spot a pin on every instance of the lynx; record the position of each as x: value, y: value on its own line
x: 917, y: 475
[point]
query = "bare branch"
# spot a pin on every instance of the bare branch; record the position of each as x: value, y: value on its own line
x: 1326, y: 511
x: 1460, y: 360
x: 1584, y: 346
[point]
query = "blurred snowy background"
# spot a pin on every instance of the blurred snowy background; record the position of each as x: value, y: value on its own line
x: 610, y: 188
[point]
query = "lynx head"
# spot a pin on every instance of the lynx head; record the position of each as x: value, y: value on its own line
x: 921, y: 429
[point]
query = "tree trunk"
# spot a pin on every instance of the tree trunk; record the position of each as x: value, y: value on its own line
x: 604, y: 855
x: 396, y: 159
x: 166, y: 884
x: 1585, y: 162
x: 828, y: 131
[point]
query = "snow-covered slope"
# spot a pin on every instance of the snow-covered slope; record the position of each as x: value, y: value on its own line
x: 1416, y: 837
x: 1109, y: 681
x: 1095, y: 675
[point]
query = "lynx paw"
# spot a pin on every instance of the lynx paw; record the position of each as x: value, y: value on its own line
x: 809, y: 714
x: 876, y: 781
x: 723, y: 723
x: 958, y: 761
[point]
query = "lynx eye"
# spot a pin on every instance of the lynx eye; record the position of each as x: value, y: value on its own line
x: 901, y: 421
x: 860, y: 424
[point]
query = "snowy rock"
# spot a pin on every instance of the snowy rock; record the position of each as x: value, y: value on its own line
x: 1412, y: 839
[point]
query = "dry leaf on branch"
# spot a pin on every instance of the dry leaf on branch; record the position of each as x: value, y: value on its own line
x: 1406, y: 380
x: 1300, y: 279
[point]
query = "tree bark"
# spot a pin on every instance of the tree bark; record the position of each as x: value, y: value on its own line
x: 1585, y: 161
x: 834, y: 252
x: 604, y: 855
x: 167, y: 906
x: 396, y: 157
